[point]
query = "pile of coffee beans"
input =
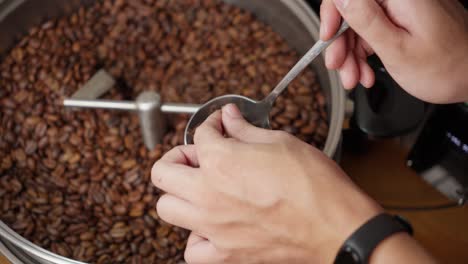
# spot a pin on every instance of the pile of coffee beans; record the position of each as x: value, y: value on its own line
x: 78, y: 182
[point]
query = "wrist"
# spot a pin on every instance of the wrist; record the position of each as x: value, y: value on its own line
x: 355, y: 214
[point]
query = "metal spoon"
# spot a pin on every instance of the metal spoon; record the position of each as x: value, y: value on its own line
x: 257, y: 112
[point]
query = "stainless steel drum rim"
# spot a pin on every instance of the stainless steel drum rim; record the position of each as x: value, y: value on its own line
x: 13, y: 237
x: 337, y: 105
x: 293, y: 19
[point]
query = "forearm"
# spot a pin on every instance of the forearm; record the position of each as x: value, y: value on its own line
x: 400, y: 248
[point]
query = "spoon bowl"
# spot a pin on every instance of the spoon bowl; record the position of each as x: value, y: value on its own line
x: 255, y: 112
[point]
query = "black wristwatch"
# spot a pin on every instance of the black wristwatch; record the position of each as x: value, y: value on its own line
x: 359, y: 246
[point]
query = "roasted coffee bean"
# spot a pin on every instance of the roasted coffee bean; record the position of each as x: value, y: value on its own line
x: 86, y: 236
x: 78, y: 182
x: 120, y: 209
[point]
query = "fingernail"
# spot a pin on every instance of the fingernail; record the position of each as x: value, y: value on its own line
x: 232, y: 111
x: 341, y: 4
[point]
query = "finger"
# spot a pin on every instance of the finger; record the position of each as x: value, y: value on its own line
x: 209, y: 131
x: 202, y: 252
x: 176, y: 179
x: 336, y: 53
x: 349, y: 72
x: 185, y: 155
x: 235, y: 126
x: 330, y: 20
x: 367, y: 74
x: 368, y: 19
x: 178, y: 212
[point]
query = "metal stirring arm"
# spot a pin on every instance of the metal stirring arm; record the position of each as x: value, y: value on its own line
x: 148, y: 106
x: 167, y: 108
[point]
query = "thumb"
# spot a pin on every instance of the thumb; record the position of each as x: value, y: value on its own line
x: 235, y: 126
x: 368, y: 19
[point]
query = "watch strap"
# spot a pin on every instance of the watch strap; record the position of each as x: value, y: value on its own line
x: 364, y: 240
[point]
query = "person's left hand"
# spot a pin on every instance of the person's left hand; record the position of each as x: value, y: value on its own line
x: 259, y: 196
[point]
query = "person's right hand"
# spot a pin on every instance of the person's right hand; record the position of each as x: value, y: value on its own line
x: 422, y: 43
x: 252, y: 196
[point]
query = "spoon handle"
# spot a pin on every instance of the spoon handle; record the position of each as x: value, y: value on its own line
x: 303, y: 63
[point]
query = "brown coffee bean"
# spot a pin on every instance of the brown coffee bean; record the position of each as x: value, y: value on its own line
x: 134, y: 196
x: 120, y: 209
x: 322, y: 129
x: 131, y: 176
x: 146, y: 248
x: 129, y: 142
x: 307, y: 130
x: 6, y: 163
x: 128, y: 164
x: 40, y: 130
x: 163, y: 231
x: 86, y: 236
x: 75, y: 140
x: 49, y: 163
x: 30, y: 147
x: 20, y: 155
x: 291, y: 111
x: 282, y: 120
x: 103, y: 259
x: 20, y: 96
x: 137, y: 209
x: 74, y: 158
x: 119, y: 230
x: 153, y: 214
x: 76, y: 47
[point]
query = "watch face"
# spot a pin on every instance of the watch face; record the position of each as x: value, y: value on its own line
x: 347, y: 256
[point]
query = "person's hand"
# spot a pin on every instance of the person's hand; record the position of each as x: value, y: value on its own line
x: 259, y: 196
x: 422, y: 43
